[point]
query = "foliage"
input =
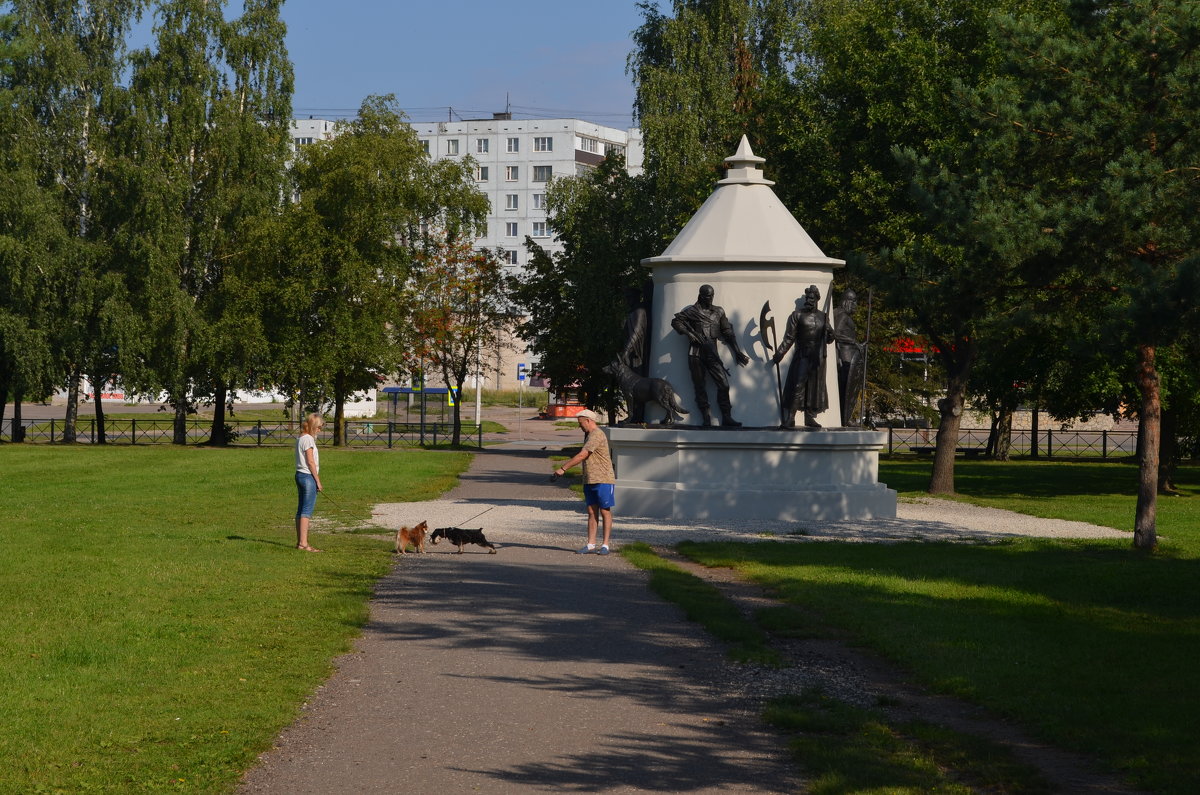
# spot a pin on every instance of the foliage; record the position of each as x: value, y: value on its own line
x: 880, y: 89
x: 202, y: 140
x: 343, y: 252
x: 699, y: 75
x: 574, y: 301
x: 459, y: 309
x: 1111, y: 181
x: 61, y: 79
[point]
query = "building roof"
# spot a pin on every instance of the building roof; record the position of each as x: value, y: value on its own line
x: 743, y: 221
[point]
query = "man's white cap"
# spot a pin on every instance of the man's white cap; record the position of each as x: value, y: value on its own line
x: 588, y: 414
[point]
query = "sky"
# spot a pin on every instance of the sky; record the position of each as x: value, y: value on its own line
x: 544, y: 58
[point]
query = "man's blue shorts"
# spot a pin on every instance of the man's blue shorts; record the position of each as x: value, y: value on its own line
x: 602, y: 494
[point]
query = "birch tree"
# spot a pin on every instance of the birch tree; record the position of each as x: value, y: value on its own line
x: 205, y: 141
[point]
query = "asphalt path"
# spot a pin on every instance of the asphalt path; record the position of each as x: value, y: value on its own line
x: 534, y: 669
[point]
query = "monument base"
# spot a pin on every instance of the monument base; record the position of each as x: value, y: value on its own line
x: 792, y: 475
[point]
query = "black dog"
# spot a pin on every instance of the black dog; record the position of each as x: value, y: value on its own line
x: 461, y: 536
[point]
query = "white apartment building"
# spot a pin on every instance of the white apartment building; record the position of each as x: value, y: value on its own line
x: 310, y: 130
x: 514, y: 162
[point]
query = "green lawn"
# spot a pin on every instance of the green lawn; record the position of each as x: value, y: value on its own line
x: 1089, y: 644
x: 1101, y: 493
x: 159, y: 628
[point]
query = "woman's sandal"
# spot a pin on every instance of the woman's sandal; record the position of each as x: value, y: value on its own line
x: 307, y: 549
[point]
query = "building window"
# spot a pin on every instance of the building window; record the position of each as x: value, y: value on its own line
x: 481, y: 173
x: 539, y: 229
x: 511, y: 173
x: 510, y: 229
x: 614, y: 149
x: 425, y: 145
x: 303, y: 142
x: 539, y: 201
x: 452, y: 146
x: 511, y: 202
x: 514, y: 144
x: 542, y: 173
x: 588, y: 145
x: 543, y: 144
x: 481, y: 145
x: 510, y: 257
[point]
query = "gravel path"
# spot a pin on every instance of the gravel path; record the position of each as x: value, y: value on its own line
x: 559, y: 517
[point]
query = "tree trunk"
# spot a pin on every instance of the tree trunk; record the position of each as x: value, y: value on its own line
x: 1034, y: 444
x: 179, y: 401
x: 3, y: 395
x: 18, y: 428
x: 456, y: 435
x: 1002, y: 449
x: 1149, y: 428
x: 951, y: 407
x: 72, y: 416
x: 217, y: 433
x: 101, y: 434
x: 339, y: 407
x: 1167, y: 456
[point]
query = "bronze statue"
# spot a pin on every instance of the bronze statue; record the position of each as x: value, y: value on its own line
x: 640, y: 390
x: 851, y: 357
x: 634, y: 353
x: 804, y: 390
x: 703, y: 324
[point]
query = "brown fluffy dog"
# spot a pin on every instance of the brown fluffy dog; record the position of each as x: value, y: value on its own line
x: 411, y: 535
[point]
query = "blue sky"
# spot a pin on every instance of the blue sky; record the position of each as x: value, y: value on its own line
x: 549, y: 57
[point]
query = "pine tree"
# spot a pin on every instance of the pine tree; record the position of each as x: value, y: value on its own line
x: 1101, y: 99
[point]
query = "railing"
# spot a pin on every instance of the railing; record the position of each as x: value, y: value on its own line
x: 1048, y: 443
x: 258, y: 433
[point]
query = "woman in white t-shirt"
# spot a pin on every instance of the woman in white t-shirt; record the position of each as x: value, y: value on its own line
x: 308, y: 477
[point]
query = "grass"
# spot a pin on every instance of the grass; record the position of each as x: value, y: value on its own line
x: 844, y: 748
x: 841, y: 748
x: 705, y: 605
x: 529, y: 398
x: 159, y: 628
x: 1087, y: 643
x: 1101, y: 493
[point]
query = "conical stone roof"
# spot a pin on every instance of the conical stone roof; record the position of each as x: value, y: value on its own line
x: 743, y: 221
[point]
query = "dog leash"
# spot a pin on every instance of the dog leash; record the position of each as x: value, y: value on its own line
x: 476, y: 516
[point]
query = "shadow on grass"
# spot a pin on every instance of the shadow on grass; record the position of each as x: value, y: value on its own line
x: 1054, y: 634
x: 1031, y: 478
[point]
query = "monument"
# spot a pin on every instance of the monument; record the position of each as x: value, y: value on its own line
x: 744, y: 250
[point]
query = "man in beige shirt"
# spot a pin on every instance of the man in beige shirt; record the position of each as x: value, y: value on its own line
x: 598, y: 480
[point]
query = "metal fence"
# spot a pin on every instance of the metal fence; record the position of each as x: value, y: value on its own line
x: 1049, y: 443
x: 389, y: 434
x: 257, y: 433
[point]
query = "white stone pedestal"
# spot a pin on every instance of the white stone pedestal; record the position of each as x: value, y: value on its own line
x: 696, y: 473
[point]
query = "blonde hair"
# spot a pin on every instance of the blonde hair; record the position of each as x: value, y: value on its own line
x: 312, y: 423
